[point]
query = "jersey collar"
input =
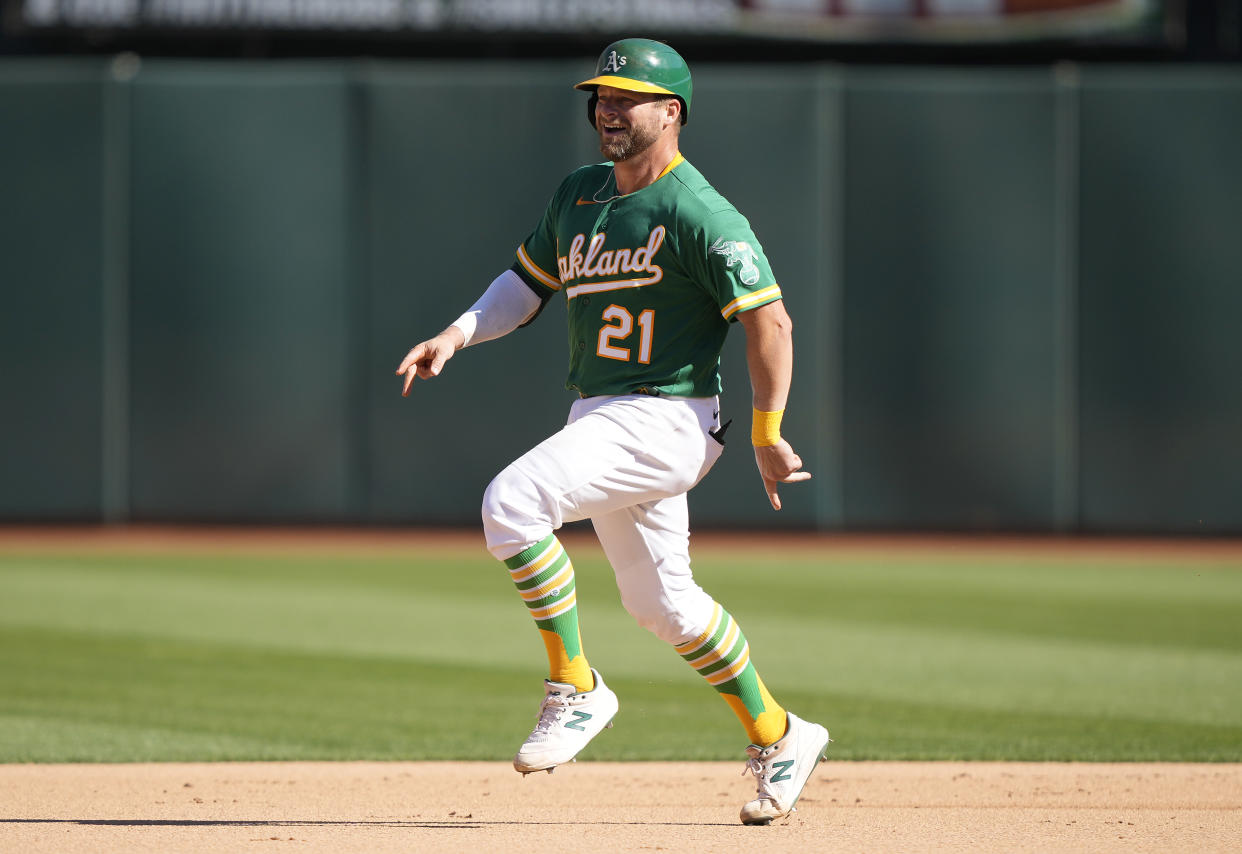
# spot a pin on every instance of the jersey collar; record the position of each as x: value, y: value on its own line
x: 612, y: 179
x: 672, y: 164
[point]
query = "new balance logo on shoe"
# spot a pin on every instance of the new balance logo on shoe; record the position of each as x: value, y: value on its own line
x: 579, y: 719
x: 782, y: 771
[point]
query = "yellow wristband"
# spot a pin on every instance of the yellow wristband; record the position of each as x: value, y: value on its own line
x: 766, y: 428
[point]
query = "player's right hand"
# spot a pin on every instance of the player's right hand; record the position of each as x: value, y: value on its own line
x: 427, y: 359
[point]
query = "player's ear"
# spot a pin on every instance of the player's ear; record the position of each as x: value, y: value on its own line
x: 672, y: 110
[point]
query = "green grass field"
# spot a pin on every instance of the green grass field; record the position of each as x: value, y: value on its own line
x: 401, y: 655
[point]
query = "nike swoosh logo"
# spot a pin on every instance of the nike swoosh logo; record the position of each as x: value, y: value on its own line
x: 585, y: 202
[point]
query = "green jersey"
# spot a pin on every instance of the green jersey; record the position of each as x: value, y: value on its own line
x: 651, y: 279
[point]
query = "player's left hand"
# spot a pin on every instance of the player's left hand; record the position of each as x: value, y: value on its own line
x: 779, y: 464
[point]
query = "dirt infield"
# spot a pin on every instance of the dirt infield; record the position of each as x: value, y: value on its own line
x: 590, y: 807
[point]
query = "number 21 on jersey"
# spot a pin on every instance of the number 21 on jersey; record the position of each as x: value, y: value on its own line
x: 619, y: 325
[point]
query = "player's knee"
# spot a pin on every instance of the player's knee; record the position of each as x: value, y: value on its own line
x: 499, y: 517
x: 662, y: 623
x: 664, y: 617
x: 512, y: 518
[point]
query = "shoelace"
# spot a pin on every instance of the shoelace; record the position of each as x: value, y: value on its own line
x: 550, y: 713
x: 755, y: 765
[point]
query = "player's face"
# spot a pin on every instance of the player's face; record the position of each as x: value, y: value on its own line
x: 628, y: 122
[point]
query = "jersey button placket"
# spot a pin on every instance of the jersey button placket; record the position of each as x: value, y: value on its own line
x: 601, y: 226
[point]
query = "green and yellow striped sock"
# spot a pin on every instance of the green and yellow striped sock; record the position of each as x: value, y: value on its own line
x: 722, y: 657
x: 545, y: 580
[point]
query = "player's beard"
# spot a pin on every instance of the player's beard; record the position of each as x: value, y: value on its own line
x: 630, y: 143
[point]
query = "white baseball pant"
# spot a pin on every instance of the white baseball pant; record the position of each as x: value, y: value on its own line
x: 626, y: 463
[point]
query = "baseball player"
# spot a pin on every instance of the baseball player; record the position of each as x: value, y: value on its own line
x: 654, y: 266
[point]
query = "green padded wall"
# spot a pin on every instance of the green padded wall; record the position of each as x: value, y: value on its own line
x: 1161, y: 308
x: 52, y: 154
x: 1014, y: 291
x: 461, y: 161
x: 783, y: 182
x: 949, y: 224
x: 241, y: 295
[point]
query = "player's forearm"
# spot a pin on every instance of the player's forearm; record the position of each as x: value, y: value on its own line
x: 454, y: 336
x: 769, y: 355
x: 504, y: 306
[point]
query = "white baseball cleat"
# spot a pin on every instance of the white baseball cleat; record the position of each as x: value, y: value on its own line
x: 568, y: 720
x: 783, y: 769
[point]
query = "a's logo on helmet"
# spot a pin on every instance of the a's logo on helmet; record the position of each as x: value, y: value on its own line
x: 613, y: 62
x: 738, y: 252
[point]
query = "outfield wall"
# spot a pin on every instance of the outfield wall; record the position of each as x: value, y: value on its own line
x: 1016, y: 292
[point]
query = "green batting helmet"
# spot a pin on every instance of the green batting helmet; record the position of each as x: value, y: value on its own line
x: 641, y: 65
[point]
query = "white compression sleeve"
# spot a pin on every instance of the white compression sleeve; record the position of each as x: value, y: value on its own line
x: 505, y: 305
